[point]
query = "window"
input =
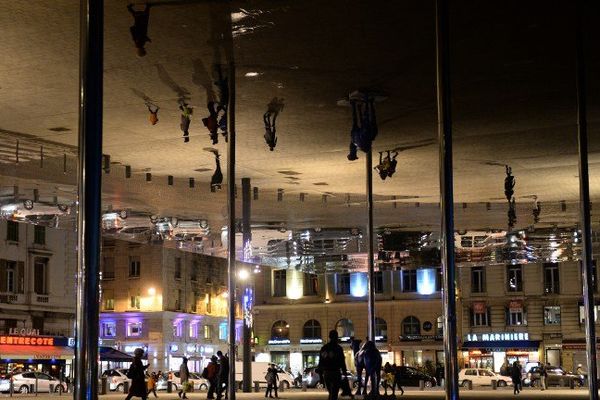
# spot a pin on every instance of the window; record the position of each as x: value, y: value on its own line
x: 582, y: 313
x: 344, y: 328
x: 409, y: 280
x: 178, y: 329
x: 411, y: 326
x: 471, y: 372
x: 514, y: 278
x: 223, y: 331
x: 311, y: 329
x: 477, y: 280
x: 515, y: 317
x: 439, y: 281
x: 552, y: 315
x: 378, y: 281
x: 343, y: 284
x: 134, y: 267
x: 207, y: 332
x: 380, y: 330
x: 109, y: 329
x: 195, y: 301
x: 279, y: 283
x: 177, y: 267
x: 108, y: 297
x: 193, y: 333
x: 108, y: 268
x: 38, y: 323
x: 280, y: 330
x: 134, y: 300
x: 134, y: 329
x: 39, y: 234
x: 551, y: 278
x: 179, y: 300
x: 311, y: 284
x: 12, y: 231
x: 480, y: 316
x: 439, y: 328
x: 194, y: 272
x: 40, y: 275
x: 11, y: 272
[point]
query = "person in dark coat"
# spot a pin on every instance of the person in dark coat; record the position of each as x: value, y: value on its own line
x: 515, y: 375
x: 332, y: 365
x: 139, y: 29
x: 223, y: 377
x: 138, y: 377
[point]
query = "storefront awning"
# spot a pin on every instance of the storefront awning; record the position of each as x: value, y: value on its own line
x: 110, y: 354
x: 23, y: 352
x: 503, y: 344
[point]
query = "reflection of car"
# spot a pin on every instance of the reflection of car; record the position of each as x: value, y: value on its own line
x: 116, y: 378
x: 28, y: 210
x: 480, y: 377
x: 198, y: 382
x: 22, y: 382
x: 556, y: 377
x: 409, y: 376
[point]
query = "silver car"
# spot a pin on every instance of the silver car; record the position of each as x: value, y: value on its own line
x: 22, y: 383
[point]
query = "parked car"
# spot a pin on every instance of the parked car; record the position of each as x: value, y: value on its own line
x: 116, y: 378
x: 22, y: 383
x: 556, y: 377
x: 198, y: 382
x: 313, y: 379
x: 409, y: 376
x: 481, y: 377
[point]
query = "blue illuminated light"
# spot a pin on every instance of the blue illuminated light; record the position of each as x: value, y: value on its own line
x: 358, y: 284
x: 426, y: 280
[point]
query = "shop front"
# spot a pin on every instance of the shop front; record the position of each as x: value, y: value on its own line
x: 49, y: 354
x: 495, y: 350
x: 310, y: 348
x: 415, y: 350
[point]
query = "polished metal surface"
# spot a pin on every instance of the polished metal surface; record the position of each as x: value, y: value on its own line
x: 584, y: 210
x: 231, y: 253
x: 89, y: 194
x: 246, y: 238
x: 446, y: 198
x: 370, y: 249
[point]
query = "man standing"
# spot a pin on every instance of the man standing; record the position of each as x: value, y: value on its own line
x: 184, y: 376
x: 223, y: 377
x: 332, y: 365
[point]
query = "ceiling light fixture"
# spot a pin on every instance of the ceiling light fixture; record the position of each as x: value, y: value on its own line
x: 252, y: 74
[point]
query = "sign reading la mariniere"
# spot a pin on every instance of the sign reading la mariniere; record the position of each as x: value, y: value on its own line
x: 490, y: 337
x: 27, y: 340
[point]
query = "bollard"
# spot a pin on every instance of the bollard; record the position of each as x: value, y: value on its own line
x: 421, y: 384
x: 51, y: 388
x: 494, y: 384
x: 470, y: 385
x: 36, y: 385
x: 281, y: 386
x: 572, y: 383
x: 60, y: 389
x: 11, y: 388
x: 169, y: 387
x: 256, y: 386
x: 304, y: 386
x: 32, y: 388
x: 126, y: 387
x: 103, y: 385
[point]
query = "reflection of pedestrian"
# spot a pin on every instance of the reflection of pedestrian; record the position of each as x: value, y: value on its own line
x: 217, y: 178
x: 137, y: 376
x: 332, y: 365
x: 153, y: 110
x: 515, y: 374
x: 139, y: 29
x: 184, y: 377
x: 186, y: 119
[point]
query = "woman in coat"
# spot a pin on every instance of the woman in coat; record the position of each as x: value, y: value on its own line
x: 515, y: 374
x: 137, y: 376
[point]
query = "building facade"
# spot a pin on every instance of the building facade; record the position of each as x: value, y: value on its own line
x: 170, y: 302
x: 294, y: 311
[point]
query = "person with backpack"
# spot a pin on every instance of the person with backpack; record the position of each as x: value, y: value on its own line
x: 210, y: 373
x: 137, y: 375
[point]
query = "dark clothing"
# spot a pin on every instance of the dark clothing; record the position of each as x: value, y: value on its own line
x: 215, y: 181
x: 138, y: 380
x: 223, y: 376
x: 331, y: 365
x: 515, y: 375
x: 139, y: 30
x: 333, y: 382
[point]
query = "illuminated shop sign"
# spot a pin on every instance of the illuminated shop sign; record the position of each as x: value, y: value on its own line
x: 27, y: 340
x: 311, y: 341
x: 345, y: 339
x: 24, y: 332
x: 279, y: 341
x: 492, y: 337
x: 426, y: 280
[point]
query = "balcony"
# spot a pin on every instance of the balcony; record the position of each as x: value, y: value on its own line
x: 41, y: 298
x: 11, y: 298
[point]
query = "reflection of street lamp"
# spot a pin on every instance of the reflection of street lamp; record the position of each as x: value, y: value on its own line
x: 151, y: 291
x: 243, y: 274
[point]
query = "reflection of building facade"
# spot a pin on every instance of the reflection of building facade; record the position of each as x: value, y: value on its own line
x: 170, y: 302
x: 529, y: 312
x: 37, y: 297
x: 295, y: 310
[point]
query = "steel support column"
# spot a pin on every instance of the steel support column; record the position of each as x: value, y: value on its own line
x: 246, y: 238
x: 231, y: 253
x: 446, y: 197
x: 370, y: 249
x: 584, y: 208
x: 89, y: 195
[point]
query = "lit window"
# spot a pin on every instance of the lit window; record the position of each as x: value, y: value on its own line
x: 280, y: 330
x: 178, y: 329
x: 193, y: 330
x: 223, y: 331
x: 207, y: 332
x: 134, y: 329
x: 109, y: 329
x: 134, y: 267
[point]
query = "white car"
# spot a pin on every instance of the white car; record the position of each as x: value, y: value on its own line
x: 198, y: 382
x: 481, y: 377
x: 22, y: 383
x: 116, y: 378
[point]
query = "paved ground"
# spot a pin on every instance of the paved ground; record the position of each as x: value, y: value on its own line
x: 507, y: 393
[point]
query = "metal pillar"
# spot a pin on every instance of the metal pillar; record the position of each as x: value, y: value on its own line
x: 246, y: 238
x: 446, y: 197
x: 370, y: 249
x: 231, y: 270
x: 89, y: 186
x: 584, y: 209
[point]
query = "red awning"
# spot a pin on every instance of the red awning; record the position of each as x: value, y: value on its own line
x: 22, y: 352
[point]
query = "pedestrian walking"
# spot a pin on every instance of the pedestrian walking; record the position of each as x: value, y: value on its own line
x: 184, y: 377
x: 186, y: 119
x: 139, y: 29
x: 271, y: 379
x: 137, y: 375
x: 223, y: 376
x: 152, y: 380
x: 332, y: 365
x: 543, y: 376
x: 210, y: 373
x: 515, y: 374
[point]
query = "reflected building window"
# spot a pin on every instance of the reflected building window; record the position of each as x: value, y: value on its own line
x: 280, y: 330
x: 378, y: 281
x: 552, y: 315
x: 12, y: 231
x: 39, y: 234
x: 108, y: 296
x: 380, y: 330
x: 411, y: 326
x: 279, y: 283
x: 311, y: 284
x: 134, y: 329
x: 177, y: 267
x: 134, y: 266
x: 409, y: 280
x: 551, y: 278
x: 344, y: 328
x: 134, y: 300
x: 343, y: 283
x: 514, y: 278
x: 108, y: 268
x: 478, y: 280
x: 109, y: 329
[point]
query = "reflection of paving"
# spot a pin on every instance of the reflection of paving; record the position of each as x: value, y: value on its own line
x: 533, y: 394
